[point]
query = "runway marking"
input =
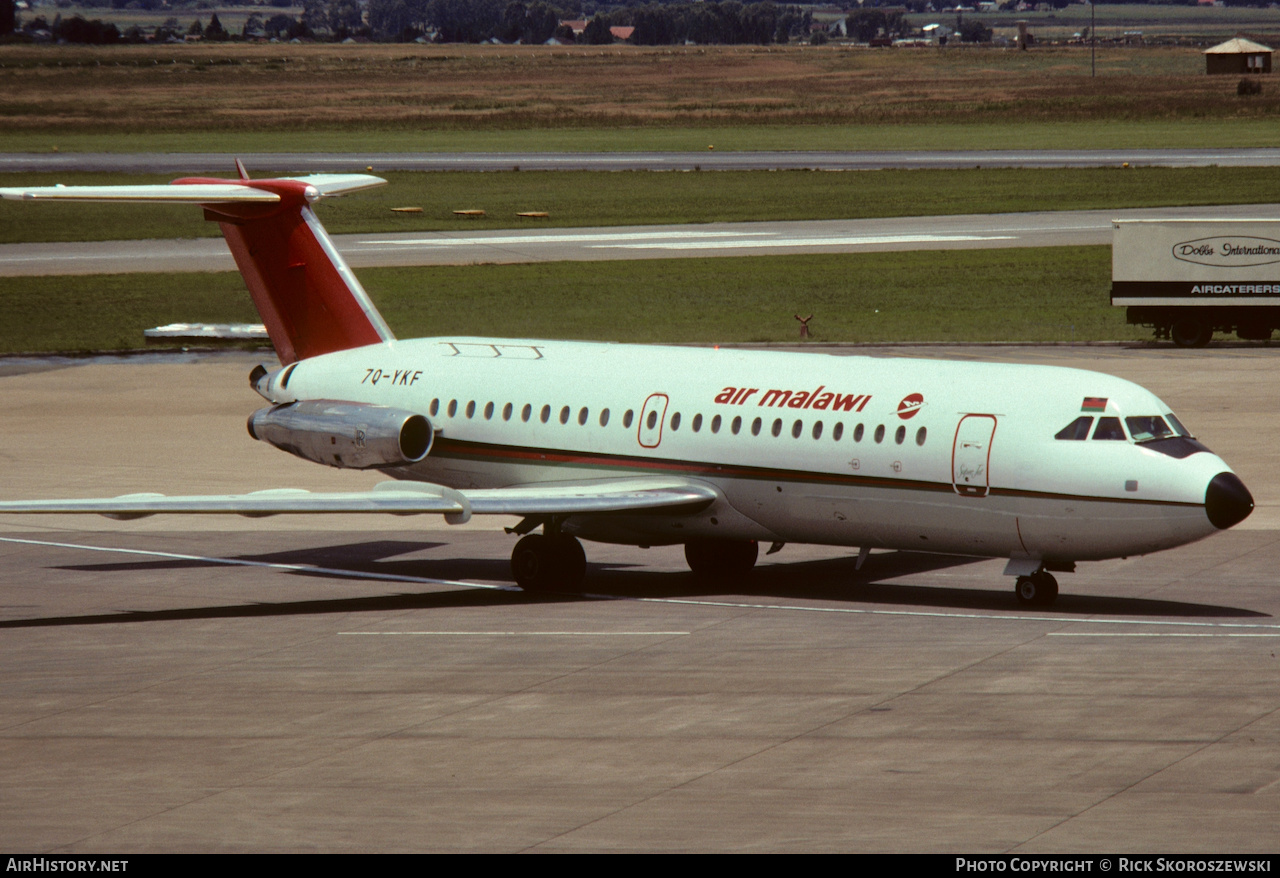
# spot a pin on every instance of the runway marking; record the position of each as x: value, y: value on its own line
x: 1272, y: 630
x: 238, y: 562
x: 831, y: 241
x: 516, y: 633
x: 940, y: 615
x: 1152, y: 634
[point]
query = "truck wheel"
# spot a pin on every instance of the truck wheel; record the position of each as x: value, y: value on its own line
x: 1190, y: 333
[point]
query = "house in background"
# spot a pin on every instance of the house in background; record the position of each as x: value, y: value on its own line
x: 1238, y: 56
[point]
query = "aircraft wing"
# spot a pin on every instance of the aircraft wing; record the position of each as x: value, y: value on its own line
x: 403, y: 498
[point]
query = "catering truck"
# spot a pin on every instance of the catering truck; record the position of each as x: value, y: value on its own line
x: 1190, y: 278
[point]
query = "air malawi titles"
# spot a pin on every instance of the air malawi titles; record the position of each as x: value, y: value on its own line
x: 819, y: 398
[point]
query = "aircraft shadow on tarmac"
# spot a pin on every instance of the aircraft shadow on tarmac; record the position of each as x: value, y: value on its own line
x: 829, y: 580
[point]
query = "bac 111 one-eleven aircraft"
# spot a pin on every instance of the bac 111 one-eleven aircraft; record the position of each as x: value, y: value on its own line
x: 714, y: 449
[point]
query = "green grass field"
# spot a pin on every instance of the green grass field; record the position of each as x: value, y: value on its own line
x: 1113, y: 134
x: 641, y: 198
x: 1042, y: 294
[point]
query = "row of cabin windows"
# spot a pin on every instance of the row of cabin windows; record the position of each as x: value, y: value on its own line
x: 695, y: 424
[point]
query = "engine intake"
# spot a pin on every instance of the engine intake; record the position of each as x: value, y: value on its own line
x: 348, y: 435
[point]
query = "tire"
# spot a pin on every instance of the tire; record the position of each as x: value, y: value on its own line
x: 1038, y: 590
x: 1189, y: 332
x: 530, y: 562
x: 721, y: 558
x: 542, y: 564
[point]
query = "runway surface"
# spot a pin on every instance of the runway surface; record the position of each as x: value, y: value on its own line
x: 302, y: 162
x: 462, y: 247
x: 348, y: 685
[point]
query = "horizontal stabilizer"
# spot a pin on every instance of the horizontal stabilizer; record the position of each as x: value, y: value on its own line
x: 225, y: 192
x: 403, y: 498
x: 196, y: 193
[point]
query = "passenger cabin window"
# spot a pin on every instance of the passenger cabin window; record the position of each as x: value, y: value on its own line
x: 1077, y: 429
x: 857, y: 433
x: 488, y: 410
x: 453, y: 407
x: 526, y: 412
x: 837, y: 431
x: 583, y: 414
x: 626, y: 418
x: 737, y: 426
x: 471, y: 409
x: 900, y: 434
x: 435, y: 407
x: 715, y: 424
x: 879, y: 433
x: 545, y: 414
x: 564, y: 415
x: 1109, y: 428
x: 506, y: 411
x: 604, y: 417
x: 921, y: 435
x: 697, y: 423
x: 675, y: 422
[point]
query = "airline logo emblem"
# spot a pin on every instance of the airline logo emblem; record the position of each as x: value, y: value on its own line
x: 1094, y: 404
x: 910, y: 404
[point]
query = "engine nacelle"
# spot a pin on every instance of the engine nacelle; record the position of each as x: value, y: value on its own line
x: 348, y: 435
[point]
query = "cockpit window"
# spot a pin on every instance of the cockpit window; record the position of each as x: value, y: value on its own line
x: 1109, y: 428
x: 1077, y: 429
x: 1148, y: 427
x: 1177, y: 425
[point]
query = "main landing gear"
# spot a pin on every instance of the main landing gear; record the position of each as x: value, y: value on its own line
x: 1039, y: 589
x: 553, y: 562
x: 721, y: 558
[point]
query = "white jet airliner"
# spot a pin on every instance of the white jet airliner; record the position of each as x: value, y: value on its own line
x: 717, y: 450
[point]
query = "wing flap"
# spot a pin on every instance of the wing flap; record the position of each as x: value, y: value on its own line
x: 400, y: 498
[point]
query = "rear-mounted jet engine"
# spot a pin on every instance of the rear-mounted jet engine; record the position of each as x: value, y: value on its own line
x: 347, y: 435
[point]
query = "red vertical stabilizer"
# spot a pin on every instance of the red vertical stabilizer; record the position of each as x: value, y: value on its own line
x: 309, y: 300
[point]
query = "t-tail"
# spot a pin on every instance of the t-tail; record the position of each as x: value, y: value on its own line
x: 306, y: 294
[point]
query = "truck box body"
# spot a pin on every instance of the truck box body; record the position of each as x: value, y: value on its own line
x: 1189, y: 277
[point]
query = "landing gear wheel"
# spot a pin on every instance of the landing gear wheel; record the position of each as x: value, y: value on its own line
x: 1190, y: 333
x: 721, y: 558
x: 571, y: 561
x: 546, y: 563
x: 1037, y: 590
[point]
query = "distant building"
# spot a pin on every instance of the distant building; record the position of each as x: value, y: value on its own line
x: 1238, y: 56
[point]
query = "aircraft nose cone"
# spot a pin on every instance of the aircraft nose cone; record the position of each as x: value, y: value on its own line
x: 1227, y: 501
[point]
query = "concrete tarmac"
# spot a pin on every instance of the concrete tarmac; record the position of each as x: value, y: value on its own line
x: 369, y: 684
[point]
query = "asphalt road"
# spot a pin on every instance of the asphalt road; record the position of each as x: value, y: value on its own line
x: 531, y: 244
x: 301, y: 162
x: 361, y: 685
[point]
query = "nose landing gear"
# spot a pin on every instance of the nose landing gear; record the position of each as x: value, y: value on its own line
x: 1039, y: 589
